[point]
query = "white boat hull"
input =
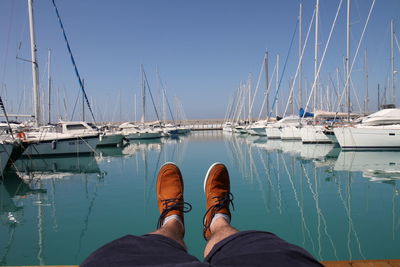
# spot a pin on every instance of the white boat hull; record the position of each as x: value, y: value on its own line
x: 369, y: 137
x: 291, y: 132
x: 73, y: 145
x: 313, y: 134
x: 258, y: 131
x: 273, y: 132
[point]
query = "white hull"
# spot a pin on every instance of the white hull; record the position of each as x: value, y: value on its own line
x: 313, y: 134
x: 73, y: 145
x: 291, y: 132
x: 258, y: 131
x: 369, y: 137
x: 273, y: 132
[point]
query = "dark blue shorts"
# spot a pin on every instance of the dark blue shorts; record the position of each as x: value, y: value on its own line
x: 247, y: 248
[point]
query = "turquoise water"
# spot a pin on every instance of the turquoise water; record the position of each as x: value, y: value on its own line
x: 339, y: 206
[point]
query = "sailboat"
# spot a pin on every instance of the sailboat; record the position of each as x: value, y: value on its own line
x: 132, y: 131
x: 378, y: 131
x: 63, y: 138
x: 11, y: 147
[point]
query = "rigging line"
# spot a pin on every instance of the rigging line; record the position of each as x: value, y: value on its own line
x: 165, y: 95
x: 299, y: 64
x: 73, y: 61
x: 284, y: 69
x: 5, y: 115
x: 355, y: 56
x: 151, y: 95
x: 355, y: 93
x: 397, y: 42
x: 258, y: 83
x: 267, y: 93
x: 323, y: 57
x: 169, y: 107
x: 7, y: 43
x: 76, y: 102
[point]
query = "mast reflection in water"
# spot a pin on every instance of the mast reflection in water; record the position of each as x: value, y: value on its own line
x: 338, y: 205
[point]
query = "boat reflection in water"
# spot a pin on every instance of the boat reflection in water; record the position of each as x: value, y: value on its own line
x: 374, y: 165
x: 56, y: 167
x: 311, y: 195
x: 140, y: 145
x: 12, y: 190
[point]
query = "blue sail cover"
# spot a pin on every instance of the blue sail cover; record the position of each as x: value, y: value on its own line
x: 306, y: 115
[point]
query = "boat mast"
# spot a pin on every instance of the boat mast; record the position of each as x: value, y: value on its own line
x: 143, y: 96
x: 366, y: 82
x: 49, y: 83
x: 300, y: 58
x: 277, y: 84
x: 348, y: 61
x: 316, y: 56
x: 266, y: 80
x: 35, y: 68
x: 250, y: 84
x: 392, y: 60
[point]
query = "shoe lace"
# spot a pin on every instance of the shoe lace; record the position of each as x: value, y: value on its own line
x: 220, y: 202
x: 173, y: 204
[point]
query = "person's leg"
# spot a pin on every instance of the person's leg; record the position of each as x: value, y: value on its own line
x: 218, y: 198
x: 164, y: 246
x: 227, y: 246
x: 220, y: 230
x: 174, y: 230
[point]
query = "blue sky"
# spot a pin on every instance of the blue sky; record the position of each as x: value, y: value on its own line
x: 203, y: 50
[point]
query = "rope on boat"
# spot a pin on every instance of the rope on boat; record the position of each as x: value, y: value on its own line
x: 91, y: 148
x: 284, y: 69
x: 73, y: 63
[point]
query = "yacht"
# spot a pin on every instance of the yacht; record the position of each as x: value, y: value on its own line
x: 274, y: 130
x: 110, y: 136
x: 291, y: 128
x: 132, y: 131
x: 378, y: 131
x: 61, y: 139
x: 258, y: 128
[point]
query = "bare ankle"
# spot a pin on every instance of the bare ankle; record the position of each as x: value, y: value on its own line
x: 217, y: 224
x: 174, y: 230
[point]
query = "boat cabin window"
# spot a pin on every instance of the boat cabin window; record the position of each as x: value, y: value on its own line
x: 94, y: 127
x: 76, y: 127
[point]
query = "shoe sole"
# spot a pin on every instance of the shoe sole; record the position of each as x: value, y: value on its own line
x: 167, y: 163
x: 208, y: 174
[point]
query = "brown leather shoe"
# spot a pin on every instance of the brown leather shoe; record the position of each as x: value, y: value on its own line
x: 170, y: 193
x: 218, y: 195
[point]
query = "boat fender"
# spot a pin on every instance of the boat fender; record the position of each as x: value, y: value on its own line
x: 54, y: 144
x: 21, y: 135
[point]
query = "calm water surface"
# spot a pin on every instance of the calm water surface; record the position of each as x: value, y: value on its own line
x: 337, y: 205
